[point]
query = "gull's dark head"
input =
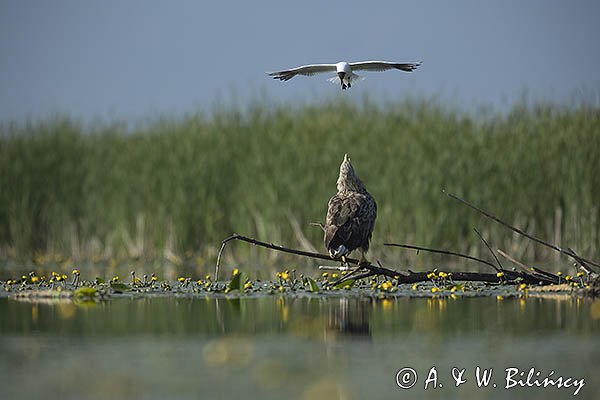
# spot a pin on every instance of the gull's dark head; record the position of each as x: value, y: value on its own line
x: 348, y: 180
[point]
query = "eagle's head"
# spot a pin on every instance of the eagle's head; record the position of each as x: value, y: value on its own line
x: 348, y: 181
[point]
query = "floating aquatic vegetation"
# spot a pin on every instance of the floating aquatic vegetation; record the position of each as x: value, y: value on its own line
x: 286, y: 282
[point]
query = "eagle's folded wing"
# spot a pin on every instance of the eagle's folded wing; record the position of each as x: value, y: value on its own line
x: 342, y: 223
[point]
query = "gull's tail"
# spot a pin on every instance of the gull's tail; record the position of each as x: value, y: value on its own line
x: 353, y: 79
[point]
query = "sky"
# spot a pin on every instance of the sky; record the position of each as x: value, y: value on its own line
x: 134, y: 59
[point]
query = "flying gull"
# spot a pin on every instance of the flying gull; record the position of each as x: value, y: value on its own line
x: 344, y: 70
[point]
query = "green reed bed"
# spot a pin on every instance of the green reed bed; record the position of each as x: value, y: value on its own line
x: 174, y: 188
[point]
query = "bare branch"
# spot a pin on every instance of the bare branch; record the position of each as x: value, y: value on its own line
x: 529, y: 269
x: 446, y: 252
x: 352, y: 276
x: 516, y: 262
x: 401, y: 277
x: 567, y: 252
x: 490, y: 249
x: 584, y: 266
x: 373, y: 268
x: 319, y: 224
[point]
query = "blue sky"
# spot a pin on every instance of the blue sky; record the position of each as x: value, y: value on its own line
x: 134, y: 59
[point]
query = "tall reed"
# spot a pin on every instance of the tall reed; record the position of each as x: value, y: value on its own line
x: 182, y: 184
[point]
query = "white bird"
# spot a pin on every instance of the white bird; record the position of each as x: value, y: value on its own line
x: 345, y: 70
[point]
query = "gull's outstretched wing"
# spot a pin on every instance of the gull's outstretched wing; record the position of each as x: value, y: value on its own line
x: 307, y: 70
x: 383, y: 66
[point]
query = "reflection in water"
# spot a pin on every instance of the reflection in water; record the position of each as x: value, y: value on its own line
x: 280, y: 347
x: 310, y: 317
x: 595, y: 309
x: 349, y: 318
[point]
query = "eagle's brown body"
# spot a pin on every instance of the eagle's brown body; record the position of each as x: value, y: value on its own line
x: 351, y: 215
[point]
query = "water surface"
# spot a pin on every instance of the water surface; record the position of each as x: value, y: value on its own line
x: 309, y: 347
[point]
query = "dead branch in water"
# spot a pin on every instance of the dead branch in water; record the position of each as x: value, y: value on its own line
x: 490, y: 249
x: 568, y: 252
x: 235, y: 236
x: 446, y: 252
x: 369, y: 269
x: 512, y: 260
x: 531, y: 270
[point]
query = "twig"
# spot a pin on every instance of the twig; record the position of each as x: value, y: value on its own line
x: 449, y: 253
x: 581, y: 261
x: 490, y: 249
x: 356, y: 278
x: 526, y: 276
x: 567, y: 252
x: 219, y: 259
x: 364, y: 275
x: 334, y: 268
x: 371, y: 267
x: 319, y: 224
x: 528, y: 269
x: 516, y: 262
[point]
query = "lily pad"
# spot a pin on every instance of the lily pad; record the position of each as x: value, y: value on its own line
x: 85, y: 292
x: 312, y: 284
x: 238, y: 281
x: 346, y: 284
x: 119, y: 287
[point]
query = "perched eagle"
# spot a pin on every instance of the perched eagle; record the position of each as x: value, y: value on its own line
x: 351, y: 215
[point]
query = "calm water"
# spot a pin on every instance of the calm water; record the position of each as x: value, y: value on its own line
x: 299, y: 348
